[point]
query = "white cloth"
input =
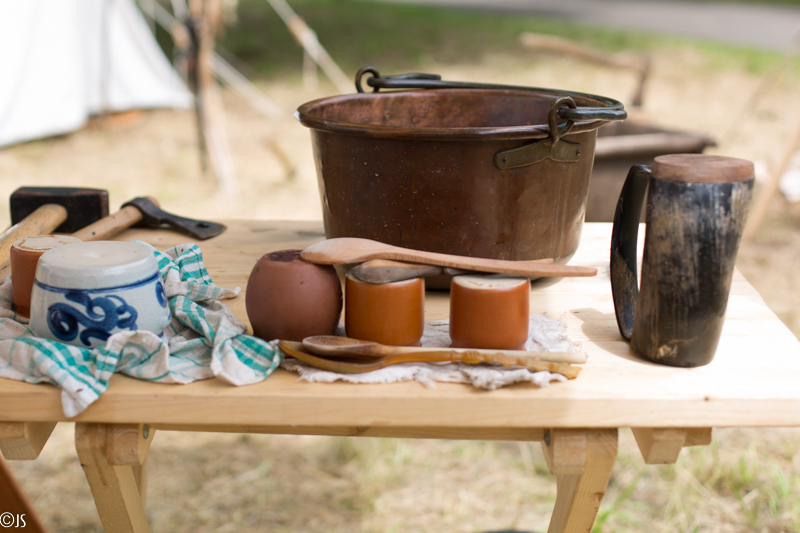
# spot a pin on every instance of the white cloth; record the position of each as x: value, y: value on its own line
x: 544, y: 334
x: 64, y: 60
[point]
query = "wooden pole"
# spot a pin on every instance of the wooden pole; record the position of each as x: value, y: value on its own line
x: 207, y: 17
x: 765, y: 199
x: 640, y: 64
x: 306, y: 37
x: 226, y: 74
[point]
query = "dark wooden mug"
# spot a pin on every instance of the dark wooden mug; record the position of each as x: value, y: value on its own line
x: 696, y: 212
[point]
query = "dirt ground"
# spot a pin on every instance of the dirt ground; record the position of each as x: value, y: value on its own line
x: 212, y: 482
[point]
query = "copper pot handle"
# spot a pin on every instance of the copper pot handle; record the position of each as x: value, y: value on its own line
x: 614, y: 110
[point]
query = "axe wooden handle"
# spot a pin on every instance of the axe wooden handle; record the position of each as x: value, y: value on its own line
x: 110, y: 225
x: 41, y: 222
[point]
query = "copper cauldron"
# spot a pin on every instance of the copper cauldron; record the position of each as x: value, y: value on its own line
x: 470, y: 169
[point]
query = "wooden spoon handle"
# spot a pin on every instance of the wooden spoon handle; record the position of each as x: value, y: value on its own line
x: 519, y: 268
x: 511, y: 355
x: 473, y: 357
x: 294, y: 349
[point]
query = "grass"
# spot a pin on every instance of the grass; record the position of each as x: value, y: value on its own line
x: 744, y: 482
x: 403, y: 37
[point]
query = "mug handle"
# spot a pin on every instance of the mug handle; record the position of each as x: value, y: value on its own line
x: 624, y: 238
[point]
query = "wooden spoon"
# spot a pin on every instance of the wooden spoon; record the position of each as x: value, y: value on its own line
x: 346, y: 250
x: 294, y: 349
x: 332, y: 346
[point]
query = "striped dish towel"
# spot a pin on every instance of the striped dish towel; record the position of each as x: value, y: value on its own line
x: 204, y: 340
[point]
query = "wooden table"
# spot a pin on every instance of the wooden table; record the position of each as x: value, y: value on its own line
x: 752, y: 382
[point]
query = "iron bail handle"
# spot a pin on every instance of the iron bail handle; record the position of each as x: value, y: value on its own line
x: 614, y: 110
x: 551, y: 148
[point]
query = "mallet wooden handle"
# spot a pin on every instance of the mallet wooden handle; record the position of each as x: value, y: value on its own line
x: 42, y: 221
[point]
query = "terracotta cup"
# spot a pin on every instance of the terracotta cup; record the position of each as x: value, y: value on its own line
x: 489, y: 311
x: 388, y: 313
x: 290, y: 299
x: 25, y: 254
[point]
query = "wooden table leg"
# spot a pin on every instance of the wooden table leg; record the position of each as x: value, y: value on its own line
x: 579, y: 494
x: 24, y: 440
x: 661, y: 446
x: 114, y: 486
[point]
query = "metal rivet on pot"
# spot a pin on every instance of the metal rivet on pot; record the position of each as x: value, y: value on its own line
x: 505, y: 160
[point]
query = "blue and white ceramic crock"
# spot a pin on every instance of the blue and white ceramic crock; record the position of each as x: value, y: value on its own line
x: 86, y: 292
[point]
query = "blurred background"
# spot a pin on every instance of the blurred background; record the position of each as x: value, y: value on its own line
x: 110, y: 85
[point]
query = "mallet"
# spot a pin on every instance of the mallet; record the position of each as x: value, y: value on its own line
x: 46, y: 210
x: 140, y: 212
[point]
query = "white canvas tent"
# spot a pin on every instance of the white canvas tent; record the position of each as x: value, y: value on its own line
x: 62, y: 61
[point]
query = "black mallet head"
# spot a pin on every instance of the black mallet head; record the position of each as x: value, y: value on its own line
x: 84, y: 206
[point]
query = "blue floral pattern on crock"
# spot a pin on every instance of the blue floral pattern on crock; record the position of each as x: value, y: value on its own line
x: 161, y: 294
x: 64, y: 319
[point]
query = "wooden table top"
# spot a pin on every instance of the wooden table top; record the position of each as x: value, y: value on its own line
x: 754, y: 379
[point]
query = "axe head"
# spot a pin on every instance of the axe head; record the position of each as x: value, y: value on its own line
x: 155, y: 217
x: 84, y: 206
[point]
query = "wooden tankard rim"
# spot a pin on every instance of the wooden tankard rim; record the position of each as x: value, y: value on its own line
x: 702, y: 168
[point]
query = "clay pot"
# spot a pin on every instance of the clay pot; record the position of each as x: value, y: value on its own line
x: 489, y: 311
x: 25, y: 254
x: 290, y: 299
x: 388, y: 313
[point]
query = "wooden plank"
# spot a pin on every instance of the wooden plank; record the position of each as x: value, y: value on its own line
x: 565, y: 450
x: 282, y: 400
x: 116, y: 494
x: 127, y: 444
x: 579, y: 495
x: 660, y: 446
x: 465, y: 433
x: 24, y: 440
x: 141, y: 475
x: 697, y: 437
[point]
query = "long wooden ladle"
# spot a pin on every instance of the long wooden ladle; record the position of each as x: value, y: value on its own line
x: 294, y: 349
x: 347, y: 250
x: 332, y: 346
